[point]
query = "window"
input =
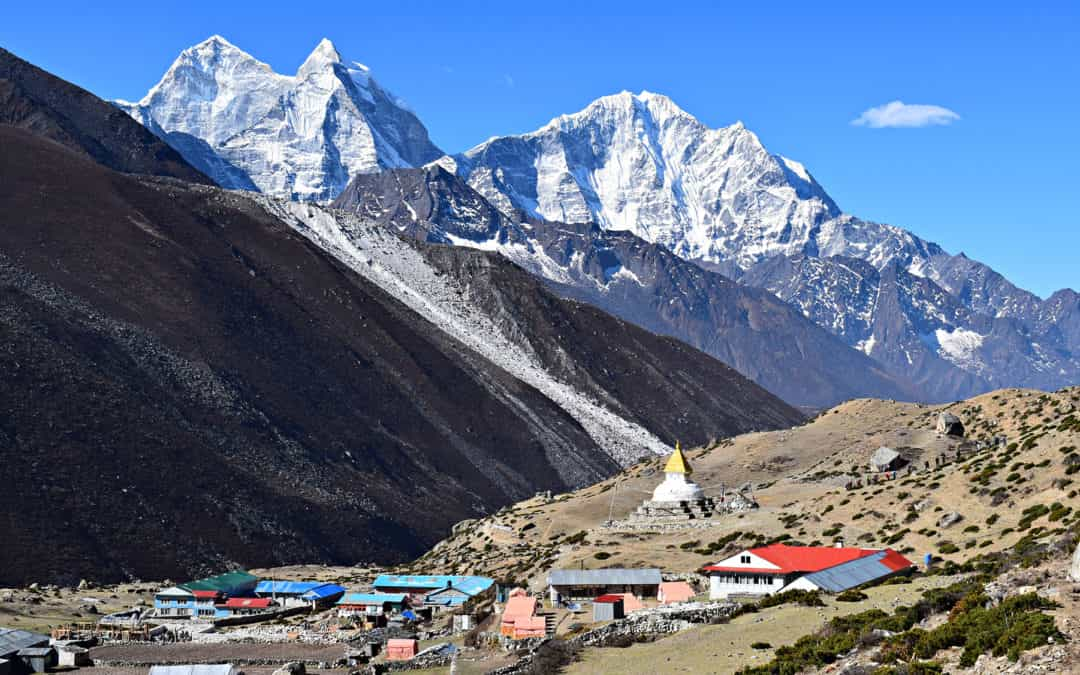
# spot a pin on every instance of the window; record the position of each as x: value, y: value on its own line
x: 756, y: 581
x: 744, y: 559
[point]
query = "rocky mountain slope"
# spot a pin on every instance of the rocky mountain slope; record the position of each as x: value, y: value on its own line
x: 811, y: 483
x: 33, y: 99
x: 195, y: 380
x: 716, y: 196
x: 301, y: 136
x: 761, y: 337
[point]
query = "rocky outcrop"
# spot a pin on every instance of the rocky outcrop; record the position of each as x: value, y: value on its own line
x: 949, y: 424
x: 885, y: 459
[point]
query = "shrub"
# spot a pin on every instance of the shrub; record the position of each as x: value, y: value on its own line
x: 806, y: 598
x: 601, y: 555
x: 760, y: 645
x: 852, y: 595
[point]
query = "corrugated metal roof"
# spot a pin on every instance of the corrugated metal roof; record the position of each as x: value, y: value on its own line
x: 465, y: 584
x: 371, y: 598
x: 608, y: 577
x: 800, y: 558
x: 35, y: 651
x: 857, y: 572
x: 13, y: 640
x: 285, y: 587
x: 324, y: 591
x: 247, y: 603
x: 222, y: 582
x: 199, y: 669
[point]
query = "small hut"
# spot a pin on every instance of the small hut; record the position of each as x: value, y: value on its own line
x: 608, y: 607
x: 400, y: 650
x: 674, y: 591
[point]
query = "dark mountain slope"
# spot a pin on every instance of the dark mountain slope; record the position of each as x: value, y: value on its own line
x: 759, y: 335
x: 50, y: 107
x: 190, y: 383
x: 666, y: 386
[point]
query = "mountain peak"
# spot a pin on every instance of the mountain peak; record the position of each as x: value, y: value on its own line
x: 215, y: 40
x: 210, y: 50
x: 324, y: 55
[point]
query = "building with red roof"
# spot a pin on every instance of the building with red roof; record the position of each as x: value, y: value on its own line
x: 779, y: 567
x: 242, y: 606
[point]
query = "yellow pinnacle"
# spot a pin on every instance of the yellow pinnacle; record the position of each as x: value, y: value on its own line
x: 677, y: 463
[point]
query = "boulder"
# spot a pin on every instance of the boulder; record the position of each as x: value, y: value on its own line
x: 949, y: 519
x: 885, y: 459
x: 949, y: 424
x: 291, y: 668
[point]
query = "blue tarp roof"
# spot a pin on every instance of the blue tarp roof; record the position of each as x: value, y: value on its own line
x: 851, y: 574
x: 432, y: 582
x: 286, y: 587
x: 371, y: 598
x: 323, y: 591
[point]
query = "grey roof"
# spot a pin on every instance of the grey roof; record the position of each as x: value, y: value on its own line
x: 852, y: 573
x: 13, y: 640
x: 213, y: 669
x: 35, y: 651
x: 609, y: 577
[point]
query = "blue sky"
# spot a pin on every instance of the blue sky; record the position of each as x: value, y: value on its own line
x: 999, y: 180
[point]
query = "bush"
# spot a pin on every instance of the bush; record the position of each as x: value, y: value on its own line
x: 852, y: 595
x: 760, y: 645
x: 805, y: 598
x: 947, y: 547
x: 1014, y: 626
x: 601, y: 555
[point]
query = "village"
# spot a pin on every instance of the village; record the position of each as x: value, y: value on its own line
x: 505, y: 618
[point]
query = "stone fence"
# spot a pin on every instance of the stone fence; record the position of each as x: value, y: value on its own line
x: 646, y: 623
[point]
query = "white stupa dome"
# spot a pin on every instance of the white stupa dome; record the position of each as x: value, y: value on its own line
x: 677, y: 486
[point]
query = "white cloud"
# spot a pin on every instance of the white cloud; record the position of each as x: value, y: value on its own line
x: 900, y: 114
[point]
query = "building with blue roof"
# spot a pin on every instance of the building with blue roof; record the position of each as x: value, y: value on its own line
x: 372, y: 607
x: 295, y: 593
x: 438, y: 590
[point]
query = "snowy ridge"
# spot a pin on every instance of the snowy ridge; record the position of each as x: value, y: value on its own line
x: 399, y: 269
x: 301, y: 137
x: 638, y: 162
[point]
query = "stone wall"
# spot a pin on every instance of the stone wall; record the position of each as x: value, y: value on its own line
x: 648, y: 623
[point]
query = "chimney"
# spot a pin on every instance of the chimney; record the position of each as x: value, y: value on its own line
x: 839, y: 543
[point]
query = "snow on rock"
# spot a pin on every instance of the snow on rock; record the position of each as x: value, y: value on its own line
x: 398, y: 268
x: 961, y: 347
x: 301, y: 137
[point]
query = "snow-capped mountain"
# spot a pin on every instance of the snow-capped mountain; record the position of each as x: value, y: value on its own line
x: 638, y: 162
x: 300, y: 137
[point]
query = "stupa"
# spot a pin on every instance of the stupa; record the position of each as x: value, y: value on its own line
x: 677, y: 500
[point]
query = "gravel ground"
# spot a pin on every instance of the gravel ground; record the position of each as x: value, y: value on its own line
x: 243, y: 652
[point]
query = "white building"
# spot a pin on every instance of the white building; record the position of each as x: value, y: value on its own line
x: 778, y: 567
